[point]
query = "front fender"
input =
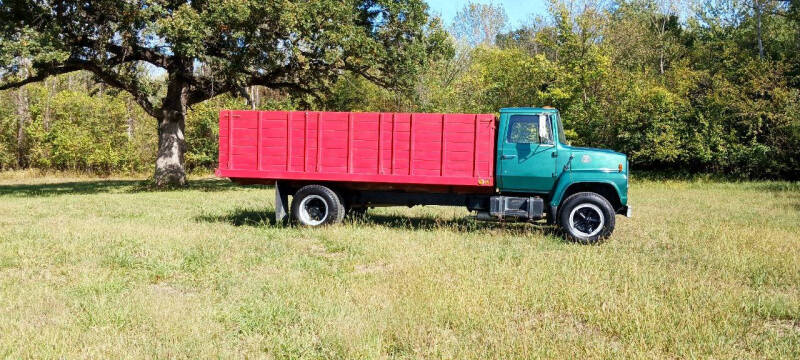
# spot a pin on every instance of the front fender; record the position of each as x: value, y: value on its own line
x: 617, y: 180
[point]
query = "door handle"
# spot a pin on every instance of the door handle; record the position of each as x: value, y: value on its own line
x: 506, y: 157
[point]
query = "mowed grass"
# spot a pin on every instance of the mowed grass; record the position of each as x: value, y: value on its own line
x: 113, y: 269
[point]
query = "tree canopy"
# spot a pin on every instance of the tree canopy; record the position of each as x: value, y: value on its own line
x: 211, y: 47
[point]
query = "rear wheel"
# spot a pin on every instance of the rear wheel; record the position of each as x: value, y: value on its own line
x: 586, y: 218
x: 317, y: 205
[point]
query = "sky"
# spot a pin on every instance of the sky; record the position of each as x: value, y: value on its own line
x: 518, y: 11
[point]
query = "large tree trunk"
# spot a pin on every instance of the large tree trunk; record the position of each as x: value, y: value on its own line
x: 171, y: 150
x: 171, y: 144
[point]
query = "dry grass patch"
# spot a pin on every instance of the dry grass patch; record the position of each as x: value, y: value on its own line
x: 111, y: 268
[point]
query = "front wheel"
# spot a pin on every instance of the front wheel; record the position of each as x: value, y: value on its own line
x: 317, y: 205
x: 586, y: 218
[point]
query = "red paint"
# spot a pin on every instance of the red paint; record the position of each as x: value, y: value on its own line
x: 392, y: 148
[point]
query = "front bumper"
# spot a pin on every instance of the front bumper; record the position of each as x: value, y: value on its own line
x: 627, y: 211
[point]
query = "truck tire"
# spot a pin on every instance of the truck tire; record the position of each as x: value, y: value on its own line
x: 586, y: 218
x: 317, y: 205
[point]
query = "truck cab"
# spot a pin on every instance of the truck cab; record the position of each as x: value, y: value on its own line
x: 581, y: 189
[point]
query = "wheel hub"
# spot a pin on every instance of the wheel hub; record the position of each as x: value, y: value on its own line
x: 587, y: 220
x: 313, y: 210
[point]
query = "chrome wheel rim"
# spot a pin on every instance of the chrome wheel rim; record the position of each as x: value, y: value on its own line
x: 313, y: 210
x: 587, y: 220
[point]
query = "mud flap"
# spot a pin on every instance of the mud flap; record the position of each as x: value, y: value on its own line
x: 281, y: 203
x: 552, y: 215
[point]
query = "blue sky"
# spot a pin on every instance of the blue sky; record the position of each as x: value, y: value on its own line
x: 518, y: 11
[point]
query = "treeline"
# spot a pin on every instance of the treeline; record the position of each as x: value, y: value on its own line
x: 684, y: 87
x: 74, y: 123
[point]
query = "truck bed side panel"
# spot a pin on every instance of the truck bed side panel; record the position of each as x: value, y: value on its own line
x: 410, y: 148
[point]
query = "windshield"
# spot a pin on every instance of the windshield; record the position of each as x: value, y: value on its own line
x: 562, y: 138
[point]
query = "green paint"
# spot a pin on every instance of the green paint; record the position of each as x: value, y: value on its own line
x: 533, y: 157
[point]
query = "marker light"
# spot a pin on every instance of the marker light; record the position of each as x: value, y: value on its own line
x: 620, y: 167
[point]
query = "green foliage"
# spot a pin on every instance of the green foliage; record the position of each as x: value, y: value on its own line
x: 88, y: 133
x: 354, y: 93
x: 672, y: 95
x: 202, y: 131
x: 504, y: 78
x: 300, y: 47
x: 478, y: 23
x: 75, y: 130
x: 677, y: 89
x: 205, y: 49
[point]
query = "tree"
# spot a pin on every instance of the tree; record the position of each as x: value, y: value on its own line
x: 478, y: 24
x: 768, y: 7
x: 297, y: 47
x: 664, y: 20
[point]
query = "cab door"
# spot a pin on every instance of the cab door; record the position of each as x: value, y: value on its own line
x: 526, y: 154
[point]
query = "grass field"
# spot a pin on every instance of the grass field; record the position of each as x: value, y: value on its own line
x: 109, y: 268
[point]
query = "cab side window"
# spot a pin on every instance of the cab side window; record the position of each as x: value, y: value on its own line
x: 526, y: 129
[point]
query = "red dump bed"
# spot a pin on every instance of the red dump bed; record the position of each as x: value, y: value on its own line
x: 433, y: 149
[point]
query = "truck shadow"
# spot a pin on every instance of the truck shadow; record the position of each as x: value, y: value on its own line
x: 467, y: 224
x: 242, y: 217
x: 266, y: 218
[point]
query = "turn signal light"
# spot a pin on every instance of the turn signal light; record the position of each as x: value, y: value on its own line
x: 620, y: 167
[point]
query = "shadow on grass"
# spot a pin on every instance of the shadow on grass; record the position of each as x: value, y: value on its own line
x: 777, y: 187
x: 242, y: 217
x: 205, y: 185
x: 788, y: 191
x: 107, y: 186
x: 66, y: 188
x: 256, y: 218
x: 465, y: 224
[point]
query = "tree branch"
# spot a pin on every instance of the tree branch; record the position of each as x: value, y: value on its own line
x: 205, y: 88
x: 127, y: 52
x: 43, y: 74
x: 374, y: 79
x: 106, y: 75
x: 363, y: 71
x: 132, y: 88
x: 138, y: 53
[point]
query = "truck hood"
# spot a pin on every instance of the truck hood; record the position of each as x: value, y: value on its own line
x: 591, y: 159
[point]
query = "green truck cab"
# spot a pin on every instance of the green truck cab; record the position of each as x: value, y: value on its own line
x: 581, y: 188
